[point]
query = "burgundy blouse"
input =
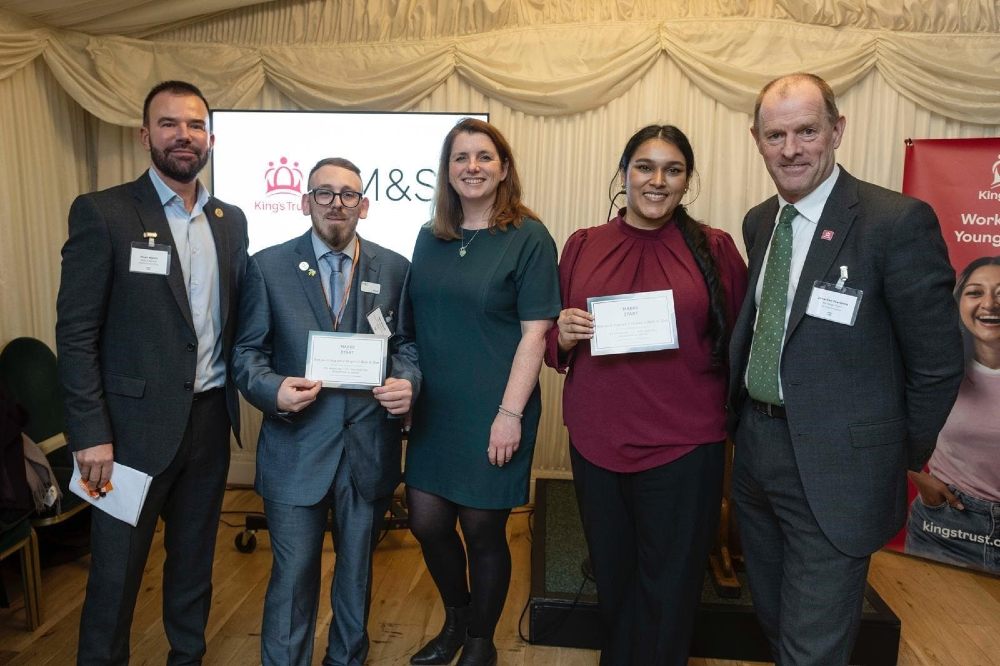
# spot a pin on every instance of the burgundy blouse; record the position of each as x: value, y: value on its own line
x: 632, y: 412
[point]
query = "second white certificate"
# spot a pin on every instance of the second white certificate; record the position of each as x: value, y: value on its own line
x: 627, y: 323
x: 346, y: 360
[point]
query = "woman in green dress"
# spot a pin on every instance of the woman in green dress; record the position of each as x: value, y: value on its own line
x: 484, y: 288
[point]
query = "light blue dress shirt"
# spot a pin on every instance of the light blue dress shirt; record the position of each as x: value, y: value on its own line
x: 200, y: 265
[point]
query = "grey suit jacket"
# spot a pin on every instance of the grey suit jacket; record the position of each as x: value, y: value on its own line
x: 126, y: 341
x: 864, y: 402
x: 297, y: 454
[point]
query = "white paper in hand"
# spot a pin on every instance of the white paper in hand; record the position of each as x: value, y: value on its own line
x: 128, y: 494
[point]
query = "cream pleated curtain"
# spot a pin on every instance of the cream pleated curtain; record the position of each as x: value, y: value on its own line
x: 567, y: 82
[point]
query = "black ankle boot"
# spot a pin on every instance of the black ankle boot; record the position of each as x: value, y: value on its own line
x: 442, y: 648
x: 478, y: 652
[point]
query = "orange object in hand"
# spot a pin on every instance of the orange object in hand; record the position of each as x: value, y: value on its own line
x: 98, y: 493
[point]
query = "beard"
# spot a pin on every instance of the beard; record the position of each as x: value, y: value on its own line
x: 335, y: 234
x: 181, y: 171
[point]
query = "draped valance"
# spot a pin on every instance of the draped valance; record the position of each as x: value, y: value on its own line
x: 549, y: 69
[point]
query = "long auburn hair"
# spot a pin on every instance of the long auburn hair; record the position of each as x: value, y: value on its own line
x: 695, y: 235
x: 507, y: 206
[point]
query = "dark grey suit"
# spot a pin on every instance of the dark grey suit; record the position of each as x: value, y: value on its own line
x: 342, y: 452
x: 127, y: 357
x: 817, y: 493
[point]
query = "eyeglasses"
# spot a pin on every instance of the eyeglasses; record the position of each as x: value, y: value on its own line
x: 325, y: 197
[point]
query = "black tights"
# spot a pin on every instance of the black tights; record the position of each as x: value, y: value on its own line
x: 432, y: 521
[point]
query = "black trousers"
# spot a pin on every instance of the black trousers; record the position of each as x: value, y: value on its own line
x: 649, y: 534
x: 188, y: 496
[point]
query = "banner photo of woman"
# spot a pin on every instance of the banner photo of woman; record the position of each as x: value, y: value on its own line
x: 955, y: 501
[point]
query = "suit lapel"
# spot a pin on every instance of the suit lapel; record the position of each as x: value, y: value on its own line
x: 311, y: 284
x: 838, y: 215
x: 151, y: 215
x: 762, y: 239
x: 368, y: 270
x: 220, y: 232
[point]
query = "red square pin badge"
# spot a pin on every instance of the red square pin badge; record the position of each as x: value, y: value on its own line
x: 827, y: 234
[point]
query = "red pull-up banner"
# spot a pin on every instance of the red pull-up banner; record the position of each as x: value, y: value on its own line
x: 953, y: 519
x: 960, y: 179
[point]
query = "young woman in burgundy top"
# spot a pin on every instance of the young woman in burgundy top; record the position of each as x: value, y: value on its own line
x: 647, y: 429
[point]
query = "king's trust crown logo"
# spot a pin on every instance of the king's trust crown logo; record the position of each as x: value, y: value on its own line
x: 282, y: 178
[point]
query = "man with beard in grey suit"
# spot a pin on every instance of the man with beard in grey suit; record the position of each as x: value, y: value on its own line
x: 151, y: 274
x: 845, y: 361
x: 324, y: 449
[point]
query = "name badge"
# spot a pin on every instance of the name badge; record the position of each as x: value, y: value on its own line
x: 832, y: 303
x: 371, y: 287
x: 378, y: 323
x: 149, y: 258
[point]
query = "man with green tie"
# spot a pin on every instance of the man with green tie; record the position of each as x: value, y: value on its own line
x: 845, y: 361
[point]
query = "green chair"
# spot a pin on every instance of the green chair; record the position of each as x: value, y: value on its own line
x: 18, y: 536
x: 29, y: 374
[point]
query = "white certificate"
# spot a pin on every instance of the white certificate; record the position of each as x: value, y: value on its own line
x: 633, y: 322
x: 346, y: 360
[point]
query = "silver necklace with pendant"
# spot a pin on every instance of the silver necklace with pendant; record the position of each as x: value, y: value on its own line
x: 464, y: 245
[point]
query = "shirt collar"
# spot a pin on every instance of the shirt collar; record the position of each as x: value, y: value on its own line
x: 167, y: 195
x: 320, y: 247
x: 811, y: 205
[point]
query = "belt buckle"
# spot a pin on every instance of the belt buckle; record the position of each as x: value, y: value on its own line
x: 767, y: 409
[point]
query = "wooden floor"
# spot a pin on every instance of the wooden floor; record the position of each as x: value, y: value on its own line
x: 949, y: 616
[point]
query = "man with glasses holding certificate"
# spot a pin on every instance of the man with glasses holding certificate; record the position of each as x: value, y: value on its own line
x: 325, y: 351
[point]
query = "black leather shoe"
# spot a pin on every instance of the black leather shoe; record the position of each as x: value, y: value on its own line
x: 478, y: 652
x: 442, y: 648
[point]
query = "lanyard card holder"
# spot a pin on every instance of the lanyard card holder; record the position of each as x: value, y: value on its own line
x: 835, y: 302
x: 149, y: 257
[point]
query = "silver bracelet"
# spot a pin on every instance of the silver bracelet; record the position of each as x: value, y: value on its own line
x: 507, y: 412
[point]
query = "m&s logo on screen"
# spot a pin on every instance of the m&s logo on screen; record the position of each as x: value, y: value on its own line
x: 282, y: 178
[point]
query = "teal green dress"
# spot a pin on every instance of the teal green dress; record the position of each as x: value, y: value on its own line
x: 468, y: 313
